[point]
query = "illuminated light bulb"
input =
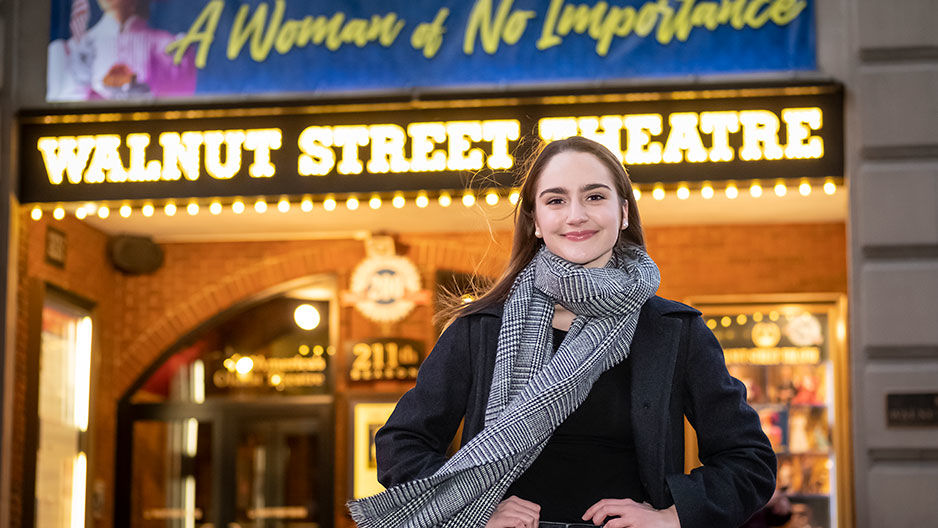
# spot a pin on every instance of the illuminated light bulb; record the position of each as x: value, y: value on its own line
x: 375, y: 202
x: 658, y: 193
x: 352, y: 203
x: 725, y: 321
x: 215, y: 208
x: 306, y: 205
x: 237, y: 207
x: 306, y: 316
x: 147, y: 210
x: 192, y: 208
x: 36, y: 213
x: 283, y: 205
x: 514, y: 196
x: 445, y: 199
x: 780, y: 189
x: 125, y: 211
x: 422, y: 200
x: 732, y: 191
x: 491, y: 198
x: 804, y: 188
x: 329, y: 204
x: 706, y: 191
x: 468, y: 199
x: 244, y: 365
x: 58, y: 213
x: 637, y: 193
x: 80, y: 213
x: 683, y: 192
x: 398, y: 201
x: 741, y: 319
x: 169, y: 209
x: 103, y: 212
x: 260, y: 206
x: 755, y: 189
x: 830, y: 187
x: 90, y: 208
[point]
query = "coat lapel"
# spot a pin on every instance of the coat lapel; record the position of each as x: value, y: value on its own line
x: 653, y: 354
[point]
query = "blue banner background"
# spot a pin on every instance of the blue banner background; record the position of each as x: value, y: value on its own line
x: 314, y: 68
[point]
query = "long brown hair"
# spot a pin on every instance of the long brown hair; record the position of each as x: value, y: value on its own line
x: 524, y: 244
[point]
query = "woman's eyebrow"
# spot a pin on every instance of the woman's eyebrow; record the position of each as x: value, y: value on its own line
x: 591, y: 186
x: 553, y: 190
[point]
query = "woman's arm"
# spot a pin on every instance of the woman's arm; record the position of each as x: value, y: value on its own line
x: 412, y: 444
x: 738, y: 473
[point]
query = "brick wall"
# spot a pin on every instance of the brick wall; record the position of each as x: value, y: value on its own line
x: 139, y: 317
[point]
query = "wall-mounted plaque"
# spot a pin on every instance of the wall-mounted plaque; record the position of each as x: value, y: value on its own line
x: 912, y: 410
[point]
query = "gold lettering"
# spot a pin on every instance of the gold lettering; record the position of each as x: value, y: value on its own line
x: 316, y: 158
x: 260, y: 42
x: 180, y: 151
x: 67, y: 154
x: 760, y: 127
x: 507, y: 25
x: 640, y: 149
x: 233, y: 140
x: 201, y: 31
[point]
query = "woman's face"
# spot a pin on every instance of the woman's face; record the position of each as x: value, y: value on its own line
x: 577, y: 210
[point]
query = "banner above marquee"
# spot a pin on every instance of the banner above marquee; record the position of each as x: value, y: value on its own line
x: 770, y: 133
x: 140, y: 49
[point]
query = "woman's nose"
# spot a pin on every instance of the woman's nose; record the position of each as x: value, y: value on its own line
x: 576, y: 214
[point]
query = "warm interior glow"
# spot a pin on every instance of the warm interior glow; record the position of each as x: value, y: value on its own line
x: 190, y: 501
x: 192, y: 437
x: 36, y: 213
x: 79, y: 476
x: 244, y: 365
x: 198, y: 381
x: 82, y: 372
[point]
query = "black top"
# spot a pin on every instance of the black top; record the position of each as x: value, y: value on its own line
x: 591, y: 455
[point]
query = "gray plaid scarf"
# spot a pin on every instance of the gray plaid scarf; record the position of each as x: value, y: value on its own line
x: 533, y: 390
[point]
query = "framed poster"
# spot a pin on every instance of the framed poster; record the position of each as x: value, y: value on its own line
x: 367, y: 415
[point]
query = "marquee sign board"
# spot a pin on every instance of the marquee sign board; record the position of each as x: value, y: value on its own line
x: 430, y: 145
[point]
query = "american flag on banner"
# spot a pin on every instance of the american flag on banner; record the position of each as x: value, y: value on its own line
x: 78, y: 21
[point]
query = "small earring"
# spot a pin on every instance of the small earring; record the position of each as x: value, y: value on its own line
x: 625, y: 224
x: 537, y: 232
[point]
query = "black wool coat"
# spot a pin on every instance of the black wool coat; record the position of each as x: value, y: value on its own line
x: 678, y: 370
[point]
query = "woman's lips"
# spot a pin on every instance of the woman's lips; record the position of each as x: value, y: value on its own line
x: 576, y: 236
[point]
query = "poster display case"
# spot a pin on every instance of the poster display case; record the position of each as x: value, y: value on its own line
x: 790, y: 352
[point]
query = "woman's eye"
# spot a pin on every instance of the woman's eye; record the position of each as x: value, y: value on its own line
x: 554, y: 201
x: 596, y: 197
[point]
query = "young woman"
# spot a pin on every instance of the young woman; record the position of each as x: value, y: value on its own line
x: 572, y: 380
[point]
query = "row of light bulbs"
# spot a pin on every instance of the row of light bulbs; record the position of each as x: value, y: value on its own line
x: 398, y: 201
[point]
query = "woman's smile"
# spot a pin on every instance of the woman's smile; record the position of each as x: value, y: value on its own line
x: 577, y: 236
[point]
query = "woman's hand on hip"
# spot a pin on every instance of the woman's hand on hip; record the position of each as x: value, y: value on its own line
x: 515, y: 513
x: 626, y: 513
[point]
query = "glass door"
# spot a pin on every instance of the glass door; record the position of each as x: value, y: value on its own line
x: 234, y: 464
x: 281, y: 473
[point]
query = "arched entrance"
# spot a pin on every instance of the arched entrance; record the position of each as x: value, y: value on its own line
x: 234, y: 425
